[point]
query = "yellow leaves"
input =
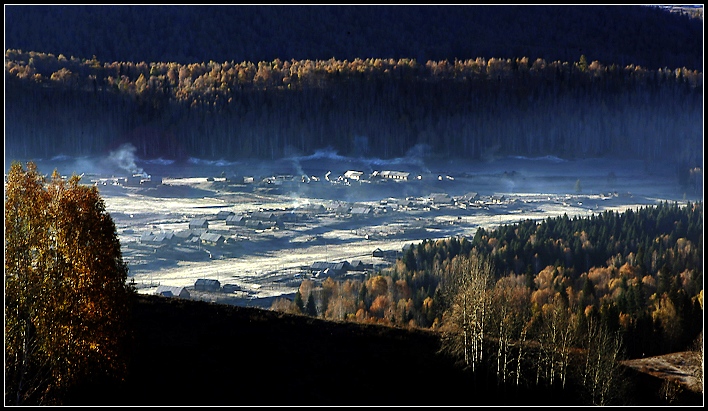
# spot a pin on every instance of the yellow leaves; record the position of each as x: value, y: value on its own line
x: 628, y: 271
x: 306, y: 288
x: 541, y: 296
x: 625, y: 320
x: 600, y: 277
x: 427, y: 304
x: 402, y: 289
x: 379, y: 306
x: 615, y: 287
x: 544, y: 278
x: 68, y: 279
x: 665, y: 313
x: 378, y: 285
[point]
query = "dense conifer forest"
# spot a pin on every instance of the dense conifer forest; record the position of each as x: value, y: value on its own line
x: 472, y: 96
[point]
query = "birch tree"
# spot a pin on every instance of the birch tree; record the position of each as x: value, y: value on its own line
x: 510, y: 317
x: 468, y: 282
x: 602, y: 374
x: 556, y: 337
x: 66, y: 297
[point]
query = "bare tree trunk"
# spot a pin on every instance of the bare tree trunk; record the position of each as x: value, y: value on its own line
x: 522, y: 342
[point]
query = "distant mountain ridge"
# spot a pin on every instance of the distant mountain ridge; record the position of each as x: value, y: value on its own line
x: 648, y: 36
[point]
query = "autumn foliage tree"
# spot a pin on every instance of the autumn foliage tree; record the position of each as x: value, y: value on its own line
x: 66, y: 297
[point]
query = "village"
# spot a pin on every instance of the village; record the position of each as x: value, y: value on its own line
x: 347, y: 226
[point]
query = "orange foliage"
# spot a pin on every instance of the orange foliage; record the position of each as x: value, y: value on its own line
x: 379, y: 306
x: 628, y: 270
x: 625, y: 320
x: 686, y: 277
x: 377, y: 285
x: 649, y: 282
x: 493, y: 242
x: 600, y: 277
x: 361, y: 315
x: 402, y: 290
x: 69, y: 289
x: 306, y: 287
x: 350, y: 287
x: 541, y: 296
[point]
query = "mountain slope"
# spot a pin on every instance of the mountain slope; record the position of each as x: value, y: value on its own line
x: 189, y: 353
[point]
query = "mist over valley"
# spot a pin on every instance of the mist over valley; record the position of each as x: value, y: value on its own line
x: 322, y: 216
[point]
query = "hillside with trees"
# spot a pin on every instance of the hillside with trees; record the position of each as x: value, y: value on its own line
x: 194, y: 353
x: 629, y: 269
x: 476, y: 100
x: 610, y: 286
x: 375, y: 108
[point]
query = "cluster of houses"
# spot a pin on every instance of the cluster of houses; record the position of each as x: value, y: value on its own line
x: 324, y: 269
x: 318, y: 270
x: 196, y: 234
x: 202, y: 284
x: 141, y: 179
x: 228, y: 224
x: 199, y: 231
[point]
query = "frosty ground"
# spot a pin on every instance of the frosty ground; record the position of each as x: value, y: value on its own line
x: 270, y: 262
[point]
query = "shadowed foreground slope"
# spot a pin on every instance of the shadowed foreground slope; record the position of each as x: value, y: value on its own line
x: 199, y: 353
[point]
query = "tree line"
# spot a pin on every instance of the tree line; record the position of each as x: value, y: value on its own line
x: 532, y: 299
x: 470, y: 108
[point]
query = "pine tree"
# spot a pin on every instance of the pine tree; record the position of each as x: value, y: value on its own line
x: 311, y: 307
x: 298, y: 301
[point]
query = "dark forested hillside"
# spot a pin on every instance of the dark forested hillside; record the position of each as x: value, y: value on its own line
x: 382, y: 108
x: 193, y: 353
x: 621, y: 35
x: 267, y: 82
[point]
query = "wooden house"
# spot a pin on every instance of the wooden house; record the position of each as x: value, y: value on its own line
x: 212, y: 239
x: 172, y: 291
x: 353, y: 175
x: 360, y: 210
x: 198, y: 224
x: 206, y: 284
x: 334, y: 268
x: 224, y: 214
x: 235, y: 220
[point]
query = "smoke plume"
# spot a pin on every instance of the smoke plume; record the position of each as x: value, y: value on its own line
x: 124, y: 158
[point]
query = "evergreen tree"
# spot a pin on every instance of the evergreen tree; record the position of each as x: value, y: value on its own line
x: 311, y: 307
x: 298, y: 302
x: 363, y: 295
